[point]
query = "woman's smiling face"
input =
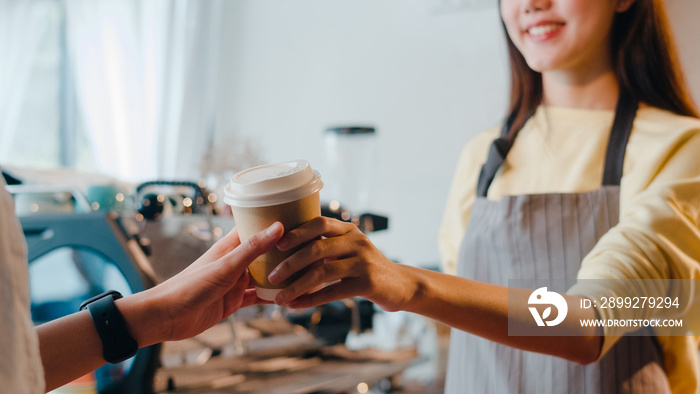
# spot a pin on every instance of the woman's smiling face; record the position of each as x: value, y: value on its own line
x: 560, y: 35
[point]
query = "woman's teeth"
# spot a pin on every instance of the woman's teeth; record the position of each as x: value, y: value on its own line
x: 543, y: 29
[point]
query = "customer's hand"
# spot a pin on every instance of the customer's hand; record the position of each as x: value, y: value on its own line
x: 340, y: 253
x: 203, y: 294
x: 211, y: 288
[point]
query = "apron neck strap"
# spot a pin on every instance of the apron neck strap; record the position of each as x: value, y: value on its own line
x: 625, y: 112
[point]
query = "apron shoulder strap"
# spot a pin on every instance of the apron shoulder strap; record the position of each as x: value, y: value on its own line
x: 497, y: 155
x: 625, y: 112
x: 619, y: 136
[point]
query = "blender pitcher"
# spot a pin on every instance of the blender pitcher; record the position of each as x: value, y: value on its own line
x: 350, y: 156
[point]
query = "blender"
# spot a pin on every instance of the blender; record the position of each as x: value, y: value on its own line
x: 350, y: 162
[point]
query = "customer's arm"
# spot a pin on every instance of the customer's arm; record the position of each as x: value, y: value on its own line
x: 203, y: 294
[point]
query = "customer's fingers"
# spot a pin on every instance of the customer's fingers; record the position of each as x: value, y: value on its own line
x: 228, y: 242
x: 251, y: 298
x: 235, y: 296
x: 223, y: 246
x: 235, y: 262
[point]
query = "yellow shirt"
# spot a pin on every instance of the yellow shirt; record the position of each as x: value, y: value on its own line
x: 562, y: 150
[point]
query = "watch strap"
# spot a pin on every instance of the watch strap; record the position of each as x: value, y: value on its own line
x: 117, y: 344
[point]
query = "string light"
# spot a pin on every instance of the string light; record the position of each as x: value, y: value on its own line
x: 362, y: 388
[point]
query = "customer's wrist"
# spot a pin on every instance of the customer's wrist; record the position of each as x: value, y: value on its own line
x: 143, y: 319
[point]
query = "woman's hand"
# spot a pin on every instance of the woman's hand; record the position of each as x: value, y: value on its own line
x: 339, y: 252
x: 211, y: 288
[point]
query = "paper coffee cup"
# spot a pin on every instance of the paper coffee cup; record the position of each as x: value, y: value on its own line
x: 286, y: 192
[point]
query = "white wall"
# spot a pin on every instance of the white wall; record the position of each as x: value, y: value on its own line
x: 684, y: 21
x: 427, y: 80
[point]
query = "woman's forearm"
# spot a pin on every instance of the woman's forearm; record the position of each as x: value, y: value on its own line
x: 482, y: 309
x: 353, y: 267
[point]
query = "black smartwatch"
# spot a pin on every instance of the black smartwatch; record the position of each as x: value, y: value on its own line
x: 117, y: 344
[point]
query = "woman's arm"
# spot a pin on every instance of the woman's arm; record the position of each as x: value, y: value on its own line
x: 346, y: 257
x: 489, y: 311
x: 206, y: 292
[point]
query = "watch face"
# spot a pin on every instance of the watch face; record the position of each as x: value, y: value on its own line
x: 115, y: 295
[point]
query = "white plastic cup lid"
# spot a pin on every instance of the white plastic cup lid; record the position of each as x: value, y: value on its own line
x: 272, y: 184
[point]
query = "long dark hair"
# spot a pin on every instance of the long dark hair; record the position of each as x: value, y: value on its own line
x: 644, y: 60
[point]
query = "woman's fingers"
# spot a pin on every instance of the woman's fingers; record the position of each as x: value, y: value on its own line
x: 345, y: 288
x: 314, y: 228
x: 318, y: 250
x: 318, y: 274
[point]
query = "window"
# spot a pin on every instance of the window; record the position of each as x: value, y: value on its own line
x: 49, y: 131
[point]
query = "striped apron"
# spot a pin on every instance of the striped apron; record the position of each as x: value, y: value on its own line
x: 546, y: 236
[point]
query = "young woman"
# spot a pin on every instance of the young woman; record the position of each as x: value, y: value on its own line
x: 595, y: 174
